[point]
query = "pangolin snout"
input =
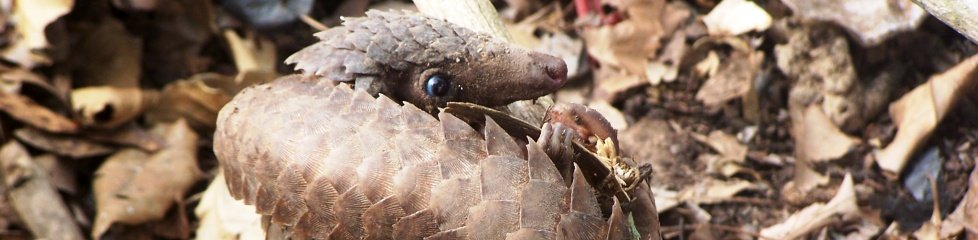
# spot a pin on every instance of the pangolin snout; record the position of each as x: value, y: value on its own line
x: 554, y: 68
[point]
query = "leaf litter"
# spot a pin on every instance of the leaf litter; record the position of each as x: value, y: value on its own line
x: 761, y: 119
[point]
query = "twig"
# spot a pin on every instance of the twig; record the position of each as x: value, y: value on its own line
x: 312, y: 23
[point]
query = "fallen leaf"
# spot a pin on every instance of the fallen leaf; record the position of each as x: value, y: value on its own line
x: 199, y: 98
x: 611, y: 82
x: 25, y: 110
x: 918, y: 112
x: 870, y: 21
x: 60, y: 175
x: 665, y: 199
x: 128, y: 135
x: 965, y: 216
x: 817, y: 215
x: 544, y: 32
x: 732, y: 152
x: 110, y: 107
x: 711, y: 191
x: 14, y: 80
x: 734, y: 77
x: 128, y: 187
x: 119, y: 55
x: 805, y: 179
x: 62, y: 145
x: 665, y: 68
x: 223, y: 217
x: 31, y: 17
x: 817, y: 139
x: 628, y: 44
x: 727, y: 145
x: 735, y: 17
x: 30, y: 193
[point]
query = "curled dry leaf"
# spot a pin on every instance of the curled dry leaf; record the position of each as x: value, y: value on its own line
x: 110, y: 107
x: 33, y: 197
x: 25, y: 110
x: 735, y: 75
x: 63, y: 145
x: 870, y: 21
x: 918, y: 112
x: 198, y: 99
x: 133, y: 187
x: 223, y: 217
x: 31, y: 17
x: 817, y: 215
x: 735, y: 17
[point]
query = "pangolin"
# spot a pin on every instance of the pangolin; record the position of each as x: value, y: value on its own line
x: 375, y: 158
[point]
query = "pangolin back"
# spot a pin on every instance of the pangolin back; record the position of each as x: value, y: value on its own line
x: 326, y: 161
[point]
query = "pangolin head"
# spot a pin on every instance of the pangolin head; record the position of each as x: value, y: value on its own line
x: 428, y: 62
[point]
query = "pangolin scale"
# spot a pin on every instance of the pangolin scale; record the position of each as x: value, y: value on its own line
x: 322, y: 160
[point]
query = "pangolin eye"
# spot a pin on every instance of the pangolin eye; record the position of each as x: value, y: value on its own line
x: 437, y: 85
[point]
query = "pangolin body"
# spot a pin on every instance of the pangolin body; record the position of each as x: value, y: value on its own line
x: 323, y: 160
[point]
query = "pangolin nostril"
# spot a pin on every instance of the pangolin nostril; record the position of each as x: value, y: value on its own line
x: 557, y: 71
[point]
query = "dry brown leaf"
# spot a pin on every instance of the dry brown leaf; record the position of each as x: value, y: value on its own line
x: 13, y: 80
x: 60, y: 175
x: 666, y: 67
x: 918, y: 112
x: 710, y: 191
x: 128, y: 135
x: 31, y: 17
x: 817, y: 139
x: 223, y: 217
x: 118, y: 54
x: 199, y: 98
x: 665, y: 199
x: 630, y: 43
x: 133, y: 187
x: 965, y: 216
x: 871, y: 21
x: 110, y: 107
x: 734, y: 77
x: 610, y: 82
x: 727, y: 145
x: 817, y: 215
x: 25, y: 110
x: 735, y: 17
x: 732, y: 152
x: 62, y: 145
x: 32, y: 196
